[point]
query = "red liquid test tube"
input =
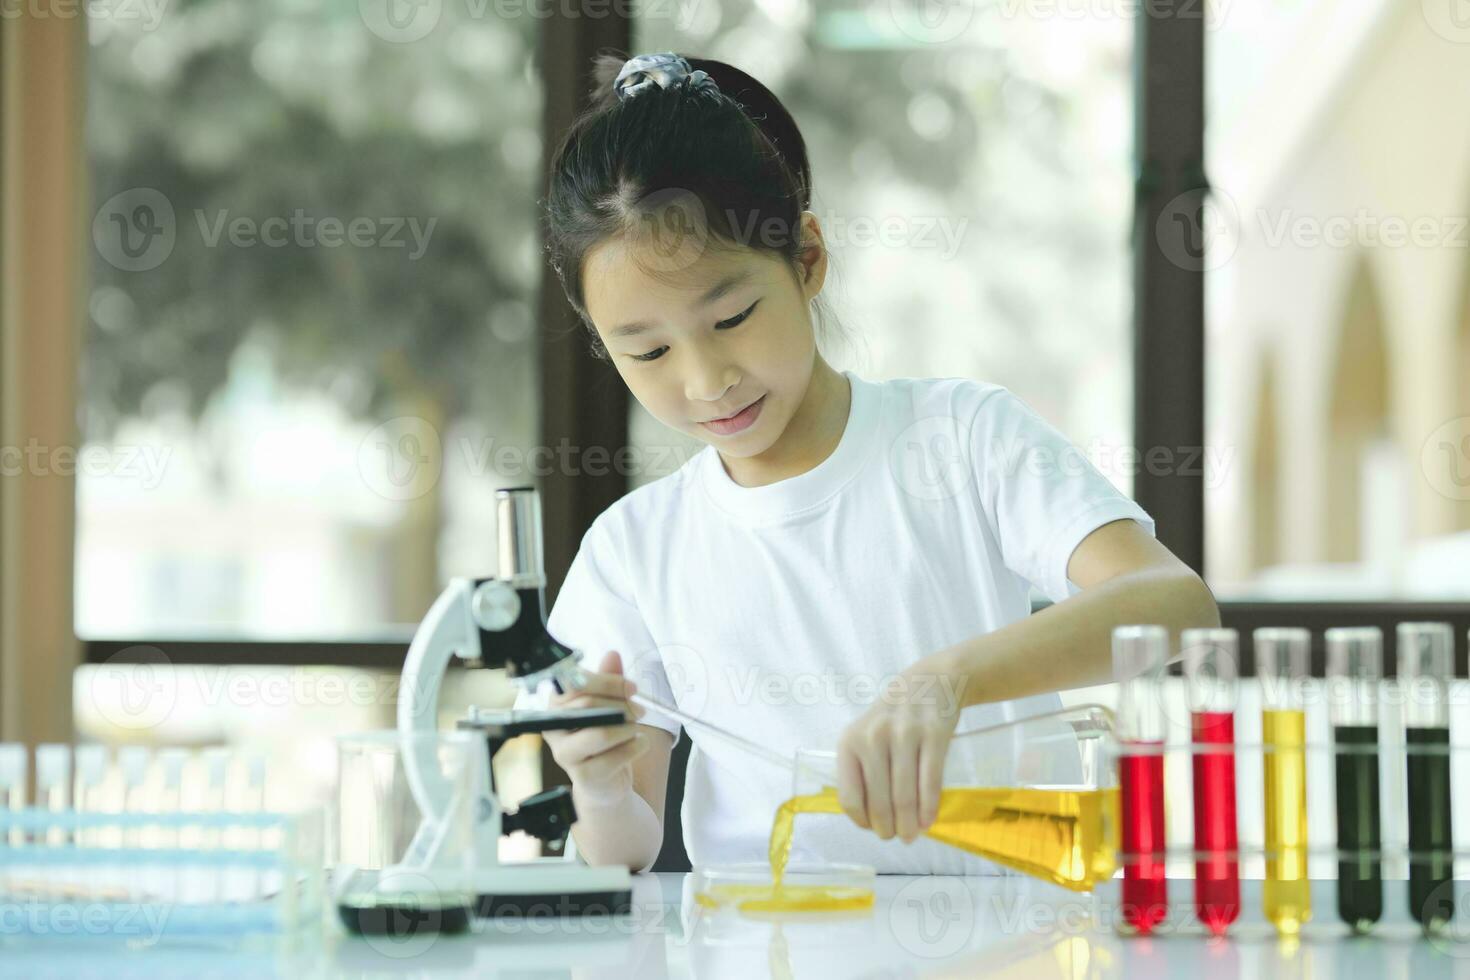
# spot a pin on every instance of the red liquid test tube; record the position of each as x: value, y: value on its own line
x: 1210, y: 675
x: 1141, y: 797
x: 1139, y: 653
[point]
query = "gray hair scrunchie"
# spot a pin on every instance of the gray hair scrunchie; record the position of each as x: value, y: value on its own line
x: 665, y: 70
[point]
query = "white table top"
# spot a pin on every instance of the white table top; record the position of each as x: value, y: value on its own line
x: 920, y: 927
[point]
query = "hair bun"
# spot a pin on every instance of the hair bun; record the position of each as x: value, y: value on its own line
x: 665, y: 70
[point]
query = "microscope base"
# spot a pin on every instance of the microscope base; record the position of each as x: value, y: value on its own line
x: 552, y: 887
x: 559, y: 905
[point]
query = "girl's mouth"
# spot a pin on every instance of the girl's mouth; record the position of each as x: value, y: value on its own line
x: 738, y: 422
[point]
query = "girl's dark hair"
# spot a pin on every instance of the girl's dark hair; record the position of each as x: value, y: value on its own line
x: 701, y: 169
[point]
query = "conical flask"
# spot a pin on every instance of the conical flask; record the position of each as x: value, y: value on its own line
x: 1035, y: 795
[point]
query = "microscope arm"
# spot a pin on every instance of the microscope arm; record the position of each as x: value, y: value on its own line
x: 446, y: 632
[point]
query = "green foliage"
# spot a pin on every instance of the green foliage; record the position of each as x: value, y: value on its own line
x: 278, y: 109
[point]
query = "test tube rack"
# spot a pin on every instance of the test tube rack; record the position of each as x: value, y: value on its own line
x: 1350, y: 829
x: 146, y: 846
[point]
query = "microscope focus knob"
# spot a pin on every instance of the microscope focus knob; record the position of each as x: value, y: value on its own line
x: 548, y: 816
x: 495, y: 606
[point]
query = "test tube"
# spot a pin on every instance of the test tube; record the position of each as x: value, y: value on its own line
x: 1282, y: 661
x: 89, y: 773
x: 53, y: 797
x: 1354, y: 668
x: 134, y: 760
x: 1210, y: 661
x: 171, y: 763
x: 216, y: 777
x: 254, y: 802
x: 53, y: 786
x: 1139, y: 653
x: 170, y: 795
x: 1425, y: 667
x: 13, y: 787
x: 216, y: 782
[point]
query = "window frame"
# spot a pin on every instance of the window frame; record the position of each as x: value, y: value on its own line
x: 591, y: 405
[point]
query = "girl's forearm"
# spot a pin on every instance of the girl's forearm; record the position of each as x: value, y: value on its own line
x: 625, y: 832
x: 1069, y: 644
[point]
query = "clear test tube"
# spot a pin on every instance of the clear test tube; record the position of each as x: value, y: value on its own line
x: 169, y: 802
x: 216, y: 777
x: 1426, y: 664
x: 216, y: 783
x: 53, y: 795
x: 134, y: 761
x: 53, y: 786
x: 1211, y: 668
x: 89, y: 777
x: 13, y: 787
x: 1139, y: 654
x: 1354, y: 669
x: 169, y: 799
x: 256, y: 839
x: 1283, y: 660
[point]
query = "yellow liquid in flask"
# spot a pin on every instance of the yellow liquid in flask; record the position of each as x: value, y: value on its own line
x: 1067, y: 837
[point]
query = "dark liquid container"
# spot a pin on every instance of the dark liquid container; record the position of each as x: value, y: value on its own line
x: 1431, y: 857
x: 1359, y: 869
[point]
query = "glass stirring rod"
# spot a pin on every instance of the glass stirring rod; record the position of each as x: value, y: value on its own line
x: 575, y: 677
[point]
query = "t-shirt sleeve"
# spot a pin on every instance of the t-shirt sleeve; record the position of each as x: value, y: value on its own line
x: 1043, y: 496
x: 596, y: 611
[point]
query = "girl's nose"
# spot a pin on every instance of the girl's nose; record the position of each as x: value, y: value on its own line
x: 710, y: 379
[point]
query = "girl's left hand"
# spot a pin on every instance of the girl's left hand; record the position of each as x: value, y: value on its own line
x: 890, y: 761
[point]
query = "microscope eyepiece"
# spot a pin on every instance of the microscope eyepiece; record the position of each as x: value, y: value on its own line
x: 511, y: 604
x: 518, y: 514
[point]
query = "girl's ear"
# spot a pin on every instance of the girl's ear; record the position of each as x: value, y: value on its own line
x: 813, y: 257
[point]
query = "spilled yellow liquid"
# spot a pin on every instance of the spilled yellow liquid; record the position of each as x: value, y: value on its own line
x: 1286, y: 892
x: 1067, y: 837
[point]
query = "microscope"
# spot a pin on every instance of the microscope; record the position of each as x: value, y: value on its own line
x: 499, y: 622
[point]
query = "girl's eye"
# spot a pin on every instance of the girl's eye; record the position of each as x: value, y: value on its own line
x: 734, y: 321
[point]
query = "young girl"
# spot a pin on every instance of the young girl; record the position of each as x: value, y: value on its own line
x: 847, y: 563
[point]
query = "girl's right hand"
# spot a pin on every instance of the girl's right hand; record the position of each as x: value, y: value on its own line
x: 600, y: 759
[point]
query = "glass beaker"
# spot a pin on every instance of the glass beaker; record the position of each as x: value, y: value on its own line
x: 408, y: 829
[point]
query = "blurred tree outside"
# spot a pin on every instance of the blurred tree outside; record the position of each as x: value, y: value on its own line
x: 420, y: 159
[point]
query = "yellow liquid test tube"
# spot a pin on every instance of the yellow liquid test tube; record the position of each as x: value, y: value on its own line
x: 1283, y: 657
x: 1287, y: 890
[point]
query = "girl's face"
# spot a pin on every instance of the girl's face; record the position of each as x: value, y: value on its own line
x: 727, y: 331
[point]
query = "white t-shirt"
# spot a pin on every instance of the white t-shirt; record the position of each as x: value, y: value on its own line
x: 777, y: 611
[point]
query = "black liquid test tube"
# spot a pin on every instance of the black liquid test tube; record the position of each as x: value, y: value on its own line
x: 1354, y: 669
x: 1425, y: 667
